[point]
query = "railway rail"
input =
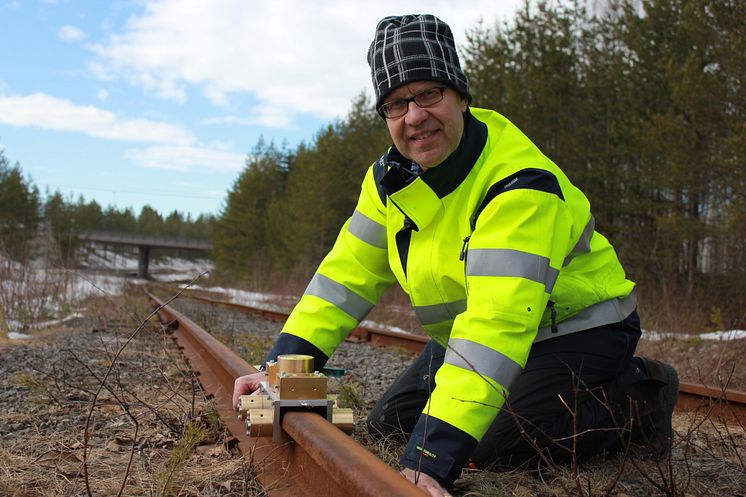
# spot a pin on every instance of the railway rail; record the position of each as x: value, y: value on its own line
x: 313, y: 458
x: 720, y: 403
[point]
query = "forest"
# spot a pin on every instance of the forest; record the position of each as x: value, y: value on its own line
x: 642, y: 104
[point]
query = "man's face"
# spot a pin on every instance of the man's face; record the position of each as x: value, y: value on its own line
x: 427, y: 136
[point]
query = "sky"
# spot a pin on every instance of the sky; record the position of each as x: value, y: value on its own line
x: 158, y: 103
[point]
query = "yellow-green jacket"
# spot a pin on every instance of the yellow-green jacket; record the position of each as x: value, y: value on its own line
x: 496, y: 249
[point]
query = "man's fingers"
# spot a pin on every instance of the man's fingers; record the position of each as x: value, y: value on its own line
x: 243, y: 385
x: 425, y: 482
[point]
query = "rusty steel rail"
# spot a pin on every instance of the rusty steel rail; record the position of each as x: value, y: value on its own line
x: 718, y: 402
x: 314, y: 458
x: 721, y: 403
x: 364, y: 334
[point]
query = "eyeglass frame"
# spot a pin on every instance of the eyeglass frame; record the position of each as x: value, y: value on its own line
x: 413, y: 98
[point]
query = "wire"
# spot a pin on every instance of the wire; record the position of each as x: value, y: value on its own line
x: 133, y: 192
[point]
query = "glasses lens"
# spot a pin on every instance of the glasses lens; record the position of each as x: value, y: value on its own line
x: 395, y: 109
x: 426, y: 98
x: 429, y: 97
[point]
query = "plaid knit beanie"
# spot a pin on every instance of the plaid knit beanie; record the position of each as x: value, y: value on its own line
x: 414, y: 48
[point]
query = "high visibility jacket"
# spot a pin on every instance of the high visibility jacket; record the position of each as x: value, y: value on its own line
x: 496, y: 249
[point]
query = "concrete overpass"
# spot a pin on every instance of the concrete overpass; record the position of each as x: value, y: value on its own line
x: 144, y: 243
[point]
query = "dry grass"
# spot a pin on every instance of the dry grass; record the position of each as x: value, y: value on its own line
x: 152, y: 431
x: 707, y: 460
x: 209, y: 470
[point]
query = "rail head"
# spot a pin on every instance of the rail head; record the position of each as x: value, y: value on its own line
x: 318, y: 460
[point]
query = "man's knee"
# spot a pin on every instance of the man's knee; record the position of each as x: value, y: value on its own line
x: 376, y: 428
x: 385, y: 422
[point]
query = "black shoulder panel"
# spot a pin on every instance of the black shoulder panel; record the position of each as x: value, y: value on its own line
x: 379, y: 170
x: 292, y: 344
x: 532, y: 179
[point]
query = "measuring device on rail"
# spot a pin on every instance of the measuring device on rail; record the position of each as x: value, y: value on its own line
x: 291, y: 385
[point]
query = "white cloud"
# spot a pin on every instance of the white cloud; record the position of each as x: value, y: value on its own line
x: 293, y: 56
x: 187, y: 159
x: 241, y: 121
x: 102, y: 95
x: 71, y: 33
x: 266, y: 115
x: 46, y: 112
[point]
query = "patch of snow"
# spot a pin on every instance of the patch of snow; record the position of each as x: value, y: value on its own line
x: 656, y: 336
x: 243, y: 297
x: 87, y: 284
x: 53, y: 322
x: 723, y: 335
x: 17, y: 336
x: 385, y: 327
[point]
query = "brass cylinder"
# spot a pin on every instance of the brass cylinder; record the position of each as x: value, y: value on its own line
x: 295, y: 363
x: 272, y: 370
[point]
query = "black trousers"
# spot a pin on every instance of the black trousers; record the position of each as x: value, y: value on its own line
x: 582, y: 368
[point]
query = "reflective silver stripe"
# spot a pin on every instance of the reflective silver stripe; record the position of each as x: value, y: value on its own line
x: 367, y: 230
x: 584, y: 243
x: 606, y: 312
x: 437, y: 313
x: 339, y: 295
x: 474, y: 356
x: 508, y: 262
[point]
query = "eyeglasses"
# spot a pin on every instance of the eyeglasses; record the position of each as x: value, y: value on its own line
x: 399, y: 107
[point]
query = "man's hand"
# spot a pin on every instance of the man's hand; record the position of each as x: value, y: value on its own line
x: 245, y: 385
x: 426, y: 483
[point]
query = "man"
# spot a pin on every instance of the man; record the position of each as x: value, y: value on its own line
x: 532, y: 320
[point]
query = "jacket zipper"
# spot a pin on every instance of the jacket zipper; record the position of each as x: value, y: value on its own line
x: 552, y: 316
x: 462, y: 257
x: 403, y: 239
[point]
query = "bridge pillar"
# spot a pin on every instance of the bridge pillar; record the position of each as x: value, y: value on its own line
x: 143, y: 252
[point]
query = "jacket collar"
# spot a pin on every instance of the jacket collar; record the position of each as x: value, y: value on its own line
x: 419, y: 196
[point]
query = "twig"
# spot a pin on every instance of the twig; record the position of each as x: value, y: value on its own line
x: 86, y: 433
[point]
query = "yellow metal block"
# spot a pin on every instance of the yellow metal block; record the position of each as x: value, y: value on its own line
x: 302, y: 386
x: 260, y: 422
x: 342, y: 419
x: 272, y: 369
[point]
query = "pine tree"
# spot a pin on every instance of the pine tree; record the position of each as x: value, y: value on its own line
x: 19, y: 209
x: 241, y: 230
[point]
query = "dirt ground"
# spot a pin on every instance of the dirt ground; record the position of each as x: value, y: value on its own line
x: 717, y: 363
x: 99, y: 408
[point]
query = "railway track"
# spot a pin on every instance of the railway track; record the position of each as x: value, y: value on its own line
x: 722, y: 403
x: 314, y: 458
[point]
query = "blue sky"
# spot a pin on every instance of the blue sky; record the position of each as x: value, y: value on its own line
x: 159, y: 102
